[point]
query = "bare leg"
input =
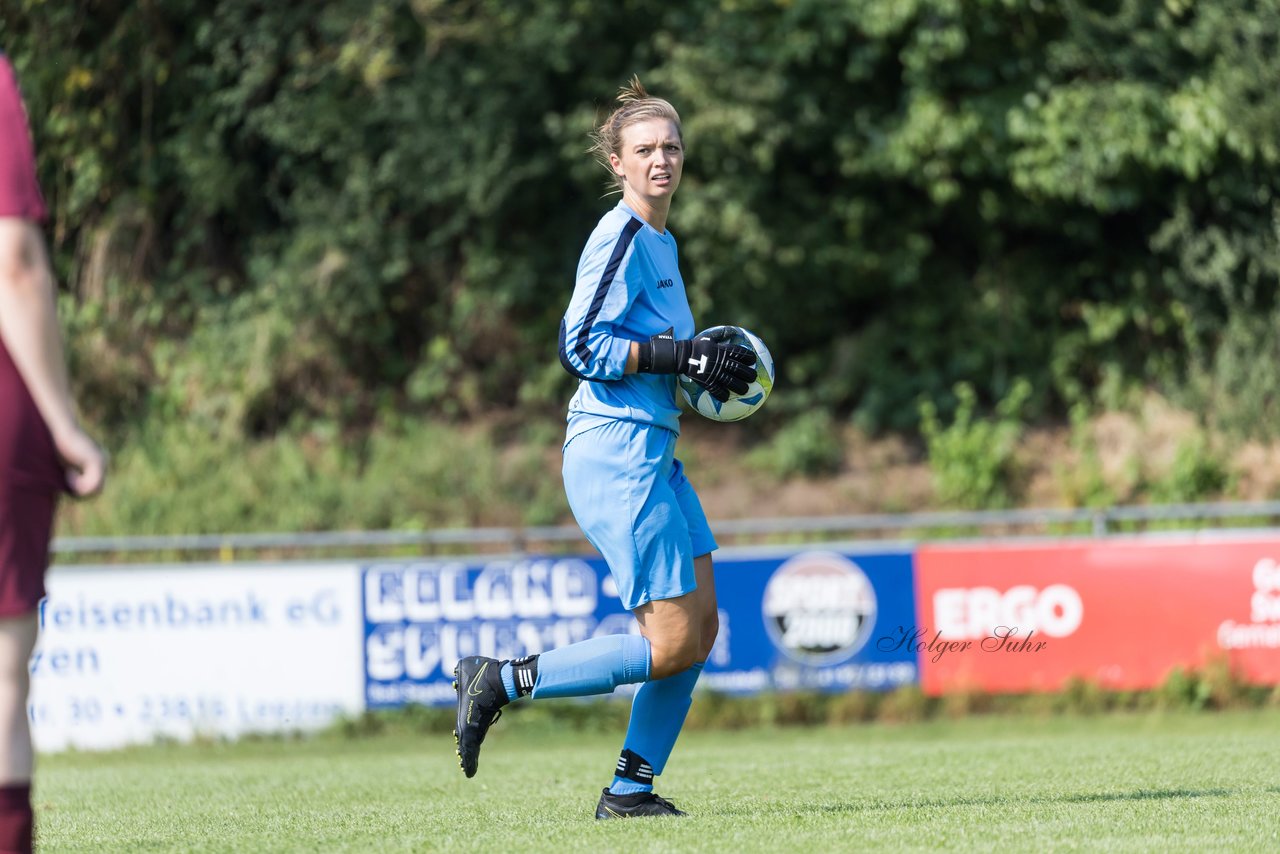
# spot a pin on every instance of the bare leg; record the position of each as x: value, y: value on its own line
x: 681, y: 631
x: 17, y: 640
x: 708, y: 607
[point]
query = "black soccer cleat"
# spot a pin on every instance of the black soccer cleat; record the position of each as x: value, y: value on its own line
x: 641, y: 804
x: 481, y: 697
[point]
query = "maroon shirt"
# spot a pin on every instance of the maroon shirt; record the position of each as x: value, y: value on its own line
x: 27, y: 457
x: 19, y: 191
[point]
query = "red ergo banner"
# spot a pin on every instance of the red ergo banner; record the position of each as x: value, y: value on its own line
x: 1120, y: 613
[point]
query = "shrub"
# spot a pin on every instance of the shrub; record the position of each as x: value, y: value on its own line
x: 1198, y: 472
x: 853, y: 707
x: 973, y: 460
x: 1081, y: 696
x: 1081, y: 478
x: 906, y: 704
x: 809, y: 445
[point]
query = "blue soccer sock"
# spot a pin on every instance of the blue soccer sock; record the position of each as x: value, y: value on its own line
x: 508, y: 680
x: 657, y: 715
x: 593, y: 666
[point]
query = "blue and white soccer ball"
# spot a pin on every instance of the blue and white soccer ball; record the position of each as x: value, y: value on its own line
x: 738, y: 406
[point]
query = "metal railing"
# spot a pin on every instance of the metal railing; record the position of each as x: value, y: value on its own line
x: 1098, y: 522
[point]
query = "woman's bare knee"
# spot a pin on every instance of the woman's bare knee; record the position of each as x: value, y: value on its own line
x: 673, y: 628
x: 668, y: 659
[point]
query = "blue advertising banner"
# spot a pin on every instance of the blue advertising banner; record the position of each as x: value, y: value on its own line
x: 810, y: 620
x: 420, y: 618
x: 814, y: 621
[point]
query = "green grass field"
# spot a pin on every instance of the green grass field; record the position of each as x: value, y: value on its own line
x: 1174, y: 782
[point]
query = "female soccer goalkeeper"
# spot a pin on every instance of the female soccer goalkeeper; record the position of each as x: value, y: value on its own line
x: 627, y: 334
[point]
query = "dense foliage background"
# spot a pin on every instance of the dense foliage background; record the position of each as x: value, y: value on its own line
x: 276, y: 215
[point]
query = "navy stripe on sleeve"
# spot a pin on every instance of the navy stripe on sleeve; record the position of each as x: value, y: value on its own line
x: 602, y: 289
x: 564, y: 357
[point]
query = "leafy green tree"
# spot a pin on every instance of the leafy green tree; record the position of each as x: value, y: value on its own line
x: 286, y: 213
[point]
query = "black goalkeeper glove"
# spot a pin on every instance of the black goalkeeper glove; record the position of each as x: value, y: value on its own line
x: 708, y: 360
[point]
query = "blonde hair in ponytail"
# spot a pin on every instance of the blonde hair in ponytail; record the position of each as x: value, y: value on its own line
x: 635, y: 105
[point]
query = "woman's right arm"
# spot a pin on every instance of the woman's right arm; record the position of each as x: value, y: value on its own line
x: 29, y: 330
x: 590, y: 347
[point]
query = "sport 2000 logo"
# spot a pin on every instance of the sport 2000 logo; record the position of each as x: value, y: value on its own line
x: 819, y: 608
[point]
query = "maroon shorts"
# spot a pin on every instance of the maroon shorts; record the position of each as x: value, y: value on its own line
x: 19, y: 190
x: 26, y: 525
x: 31, y: 478
x: 30, y: 474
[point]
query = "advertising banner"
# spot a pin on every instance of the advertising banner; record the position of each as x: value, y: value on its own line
x: 420, y: 618
x: 130, y: 654
x: 807, y: 620
x: 1120, y: 613
x: 814, y: 620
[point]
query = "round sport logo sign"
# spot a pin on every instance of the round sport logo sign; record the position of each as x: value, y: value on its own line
x: 819, y: 608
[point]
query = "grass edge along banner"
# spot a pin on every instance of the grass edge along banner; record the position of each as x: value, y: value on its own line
x: 1120, y: 613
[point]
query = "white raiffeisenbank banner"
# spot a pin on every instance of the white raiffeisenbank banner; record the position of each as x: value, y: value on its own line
x: 128, y: 655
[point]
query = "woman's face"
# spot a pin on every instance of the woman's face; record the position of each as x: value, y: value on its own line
x: 651, y: 158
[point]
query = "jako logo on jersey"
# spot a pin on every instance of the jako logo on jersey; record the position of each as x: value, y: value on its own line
x: 666, y: 283
x: 819, y: 608
x: 963, y: 613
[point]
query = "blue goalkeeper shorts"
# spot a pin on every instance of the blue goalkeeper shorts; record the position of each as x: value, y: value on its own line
x: 631, y: 498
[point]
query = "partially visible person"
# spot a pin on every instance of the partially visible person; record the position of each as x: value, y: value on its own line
x: 43, y: 450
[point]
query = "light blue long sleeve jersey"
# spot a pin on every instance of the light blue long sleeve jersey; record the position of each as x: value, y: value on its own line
x: 628, y: 289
